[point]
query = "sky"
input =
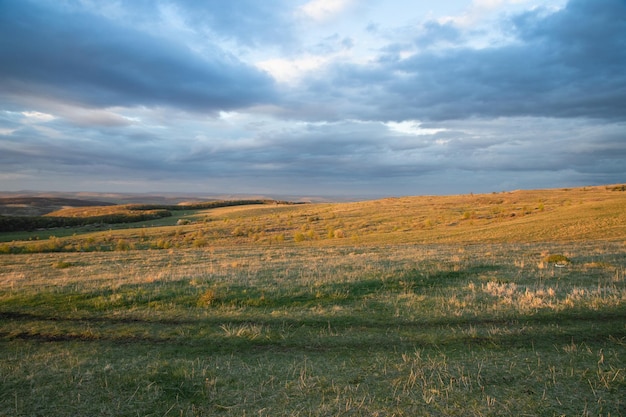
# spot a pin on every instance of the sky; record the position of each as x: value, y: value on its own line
x: 312, y: 97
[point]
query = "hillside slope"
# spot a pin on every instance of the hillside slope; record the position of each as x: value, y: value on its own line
x: 38, y: 206
x: 581, y: 214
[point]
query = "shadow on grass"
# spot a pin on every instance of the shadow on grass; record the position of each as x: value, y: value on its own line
x: 333, y: 333
x: 88, y: 317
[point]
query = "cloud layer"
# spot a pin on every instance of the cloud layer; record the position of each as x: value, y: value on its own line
x: 88, y: 60
x: 311, y: 97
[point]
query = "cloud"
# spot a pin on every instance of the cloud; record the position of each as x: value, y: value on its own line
x: 253, y: 152
x: 322, y: 10
x: 248, y: 96
x: 291, y: 71
x: 567, y: 63
x: 435, y: 33
x: 81, y: 58
x: 249, y: 22
x: 35, y: 116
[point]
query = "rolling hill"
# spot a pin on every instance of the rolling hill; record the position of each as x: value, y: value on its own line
x: 576, y: 214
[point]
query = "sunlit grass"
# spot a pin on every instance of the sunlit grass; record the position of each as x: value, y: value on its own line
x: 408, y: 330
x: 498, y: 304
x: 519, y: 216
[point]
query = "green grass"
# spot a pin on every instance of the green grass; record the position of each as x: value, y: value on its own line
x: 501, y: 304
x: 314, y: 330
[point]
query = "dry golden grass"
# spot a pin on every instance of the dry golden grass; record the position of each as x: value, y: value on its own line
x: 92, y: 211
x: 519, y: 216
x: 403, y: 306
x: 591, y: 213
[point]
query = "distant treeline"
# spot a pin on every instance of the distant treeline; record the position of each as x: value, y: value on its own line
x: 203, y: 205
x: 30, y: 223
x: 129, y: 213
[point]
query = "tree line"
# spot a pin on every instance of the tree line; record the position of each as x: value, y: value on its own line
x: 30, y: 223
x: 129, y: 213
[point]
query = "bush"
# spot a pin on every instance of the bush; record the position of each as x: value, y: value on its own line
x: 199, y: 242
x: 62, y: 265
x: 207, y: 298
x: 122, y: 245
x: 163, y: 244
x: 556, y: 259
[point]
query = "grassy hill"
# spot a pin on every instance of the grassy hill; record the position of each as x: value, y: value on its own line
x: 38, y: 206
x: 589, y: 213
x: 502, y: 304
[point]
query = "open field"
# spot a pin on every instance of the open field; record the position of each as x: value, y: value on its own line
x: 411, y: 306
x: 520, y: 216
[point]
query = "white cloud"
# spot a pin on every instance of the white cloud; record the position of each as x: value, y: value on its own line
x: 322, y: 10
x: 411, y: 127
x: 481, y: 10
x: 6, y: 132
x: 290, y: 71
x: 37, y: 117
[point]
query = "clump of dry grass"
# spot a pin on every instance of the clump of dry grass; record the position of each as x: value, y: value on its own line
x: 208, y: 297
x: 556, y: 259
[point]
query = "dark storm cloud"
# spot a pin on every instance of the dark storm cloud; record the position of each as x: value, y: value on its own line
x: 82, y: 58
x: 569, y: 63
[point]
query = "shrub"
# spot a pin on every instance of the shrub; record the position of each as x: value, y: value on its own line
x: 556, y: 259
x: 62, y: 264
x: 163, y: 244
x: 199, y: 242
x: 207, y: 298
x: 122, y: 245
x: 239, y: 232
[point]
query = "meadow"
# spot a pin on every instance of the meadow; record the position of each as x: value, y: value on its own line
x: 486, y: 305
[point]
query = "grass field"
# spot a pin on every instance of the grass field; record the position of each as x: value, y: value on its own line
x: 431, y: 306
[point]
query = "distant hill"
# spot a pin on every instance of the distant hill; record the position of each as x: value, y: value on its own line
x: 566, y: 214
x: 38, y: 206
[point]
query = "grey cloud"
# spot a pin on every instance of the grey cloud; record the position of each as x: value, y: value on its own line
x: 346, y: 149
x: 85, y: 59
x: 526, y: 145
x: 565, y: 64
x: 349, y: 156
x: 545, y: 110
x: 507, y: 147
x: 249, y: 22
x: 434, y: 33
x: 332, y: 44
